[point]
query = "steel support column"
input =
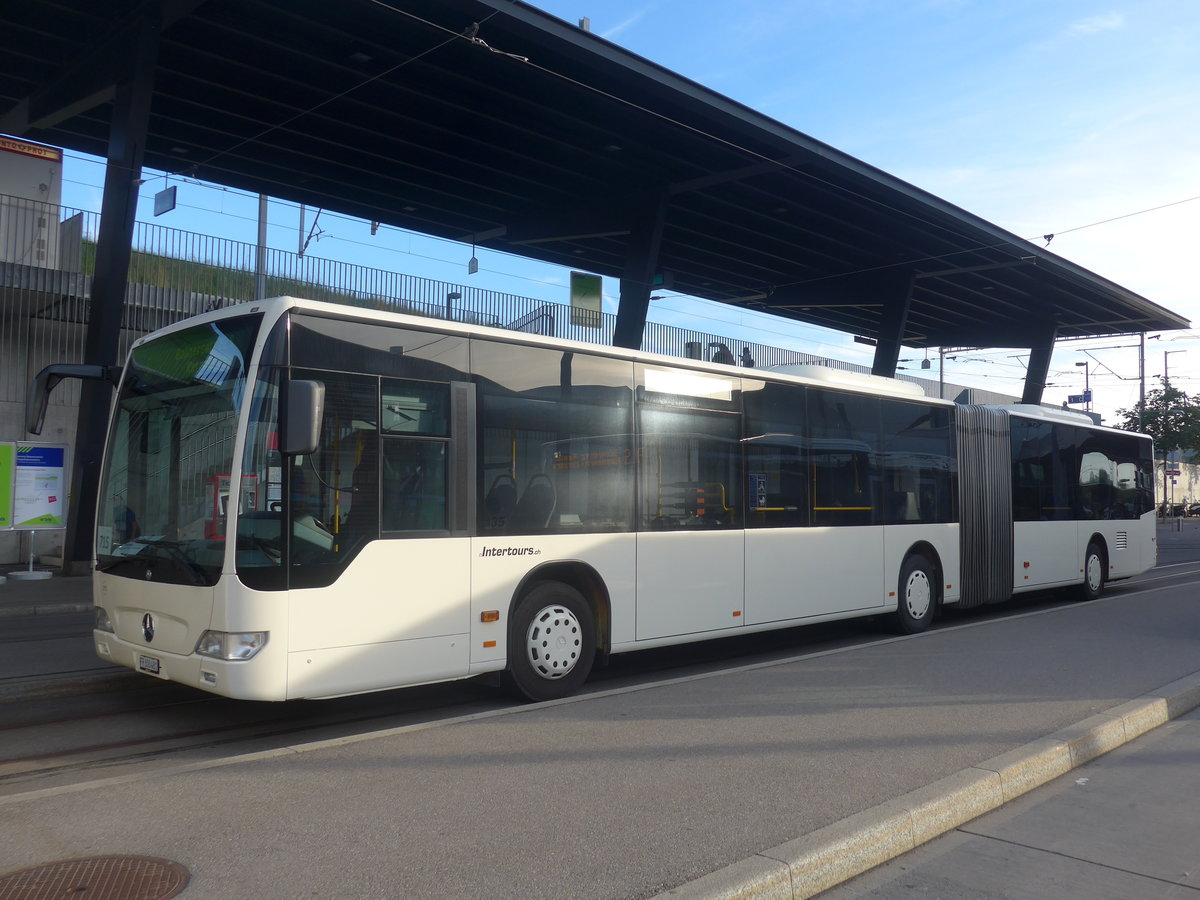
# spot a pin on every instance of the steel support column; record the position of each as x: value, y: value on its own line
x: 1039, y: 365
x: 641, y: 262
x: 126, y: 147
x: 896, y: 293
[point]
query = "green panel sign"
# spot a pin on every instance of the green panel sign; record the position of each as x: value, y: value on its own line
x: 586, y: 293
x: 8, y: 453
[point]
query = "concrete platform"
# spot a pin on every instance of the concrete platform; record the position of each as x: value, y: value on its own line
x: 775, y: 780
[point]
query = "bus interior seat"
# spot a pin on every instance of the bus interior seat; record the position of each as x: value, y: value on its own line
x: 537, y: 503
x: 501, y: 497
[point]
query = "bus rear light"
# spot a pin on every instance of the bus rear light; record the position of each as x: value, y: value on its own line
x: 102, y: 622
x: 231, y: 646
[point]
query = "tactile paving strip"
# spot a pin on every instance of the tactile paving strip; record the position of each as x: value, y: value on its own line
x: 97, y: 878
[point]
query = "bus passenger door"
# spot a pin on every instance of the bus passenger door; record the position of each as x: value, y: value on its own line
x: 798, y: 573
x: 690, y: 546
x: 814, y: 542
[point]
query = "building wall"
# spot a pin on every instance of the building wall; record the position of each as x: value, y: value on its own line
x: 30, y: 194
x: 1186, y: 485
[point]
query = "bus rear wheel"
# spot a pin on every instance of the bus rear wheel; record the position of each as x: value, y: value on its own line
x: 917, y: 595
x: 1093, y: 573
x: 551, y: 643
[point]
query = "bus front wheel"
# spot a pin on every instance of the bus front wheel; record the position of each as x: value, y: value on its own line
x: 1093, y: 573
x: 551, y: 642
x: 918, y: 595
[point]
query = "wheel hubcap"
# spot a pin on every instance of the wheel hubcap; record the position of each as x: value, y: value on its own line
x: 553, y: 642
x: 1093, y: 572
x: 918, y: 594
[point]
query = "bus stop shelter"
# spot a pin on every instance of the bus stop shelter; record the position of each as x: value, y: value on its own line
x: 495, y: 124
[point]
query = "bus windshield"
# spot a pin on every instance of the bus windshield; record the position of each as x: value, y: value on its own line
x: 166, y: 485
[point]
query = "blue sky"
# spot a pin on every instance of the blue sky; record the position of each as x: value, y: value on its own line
x: 1045, y: 118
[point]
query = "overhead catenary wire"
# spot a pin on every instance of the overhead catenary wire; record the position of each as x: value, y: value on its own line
x: 470, y: 33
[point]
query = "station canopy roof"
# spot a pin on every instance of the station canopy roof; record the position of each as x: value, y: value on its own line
x: 489, y: 121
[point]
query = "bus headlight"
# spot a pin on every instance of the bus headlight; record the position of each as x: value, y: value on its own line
x: 102, y: 622
x: 230, y: 646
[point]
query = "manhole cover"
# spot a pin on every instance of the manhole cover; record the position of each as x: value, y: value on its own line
x: 97, y: 878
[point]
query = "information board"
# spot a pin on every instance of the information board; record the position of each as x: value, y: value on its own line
x: 39, y: 492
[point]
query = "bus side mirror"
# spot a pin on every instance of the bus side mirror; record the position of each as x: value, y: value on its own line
x: 38, y: 397
x: 305, y: 408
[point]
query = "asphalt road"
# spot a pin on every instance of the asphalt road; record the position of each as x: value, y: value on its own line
x: 661, y: 774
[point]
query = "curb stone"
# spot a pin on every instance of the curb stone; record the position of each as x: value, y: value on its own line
x: 825, y: 858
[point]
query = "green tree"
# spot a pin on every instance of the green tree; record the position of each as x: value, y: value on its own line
x: 1169, y: 415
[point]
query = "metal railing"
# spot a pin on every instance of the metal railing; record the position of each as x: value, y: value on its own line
x: 47, y: 260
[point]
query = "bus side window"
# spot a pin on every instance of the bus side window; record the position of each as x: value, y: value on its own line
x: 690, y: 469
x: 554, y: 447
x: 777, y: 486
x: 340, y: 481
x: 919, y: 462
x: 414, y: 485
x: 415, y: 420
x: 845, y: 455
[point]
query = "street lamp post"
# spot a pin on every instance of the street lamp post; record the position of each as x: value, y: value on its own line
x: 1166, y: 378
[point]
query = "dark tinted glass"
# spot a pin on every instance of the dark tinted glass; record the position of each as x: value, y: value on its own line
x: 414, y: 407
x: 376, y: 348
x: 555, y: 440
x: 414, y: 485
x: 844, y: 430
x: 1044, y: 470
x: 335, y: 492
x: 777, y: 476
x: 690, y: 469
x: 919, y: 463
x: 1115, y: 477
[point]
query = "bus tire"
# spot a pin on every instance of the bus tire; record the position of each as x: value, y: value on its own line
x: 1093, y: 573
x: 551, y: 642
x: 917, y: 597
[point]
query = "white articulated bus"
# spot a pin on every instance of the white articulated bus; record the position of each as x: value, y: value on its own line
x: 307, y: 500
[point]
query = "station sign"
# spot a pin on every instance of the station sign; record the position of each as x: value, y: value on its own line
x: 25, y: 148
x: 586, y: 293
x: 39, y: 486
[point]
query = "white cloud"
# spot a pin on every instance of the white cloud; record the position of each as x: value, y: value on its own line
x: 629, y: 22
x: 1112, y: 21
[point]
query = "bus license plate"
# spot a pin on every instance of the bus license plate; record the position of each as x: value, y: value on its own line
x: 148, y: 664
